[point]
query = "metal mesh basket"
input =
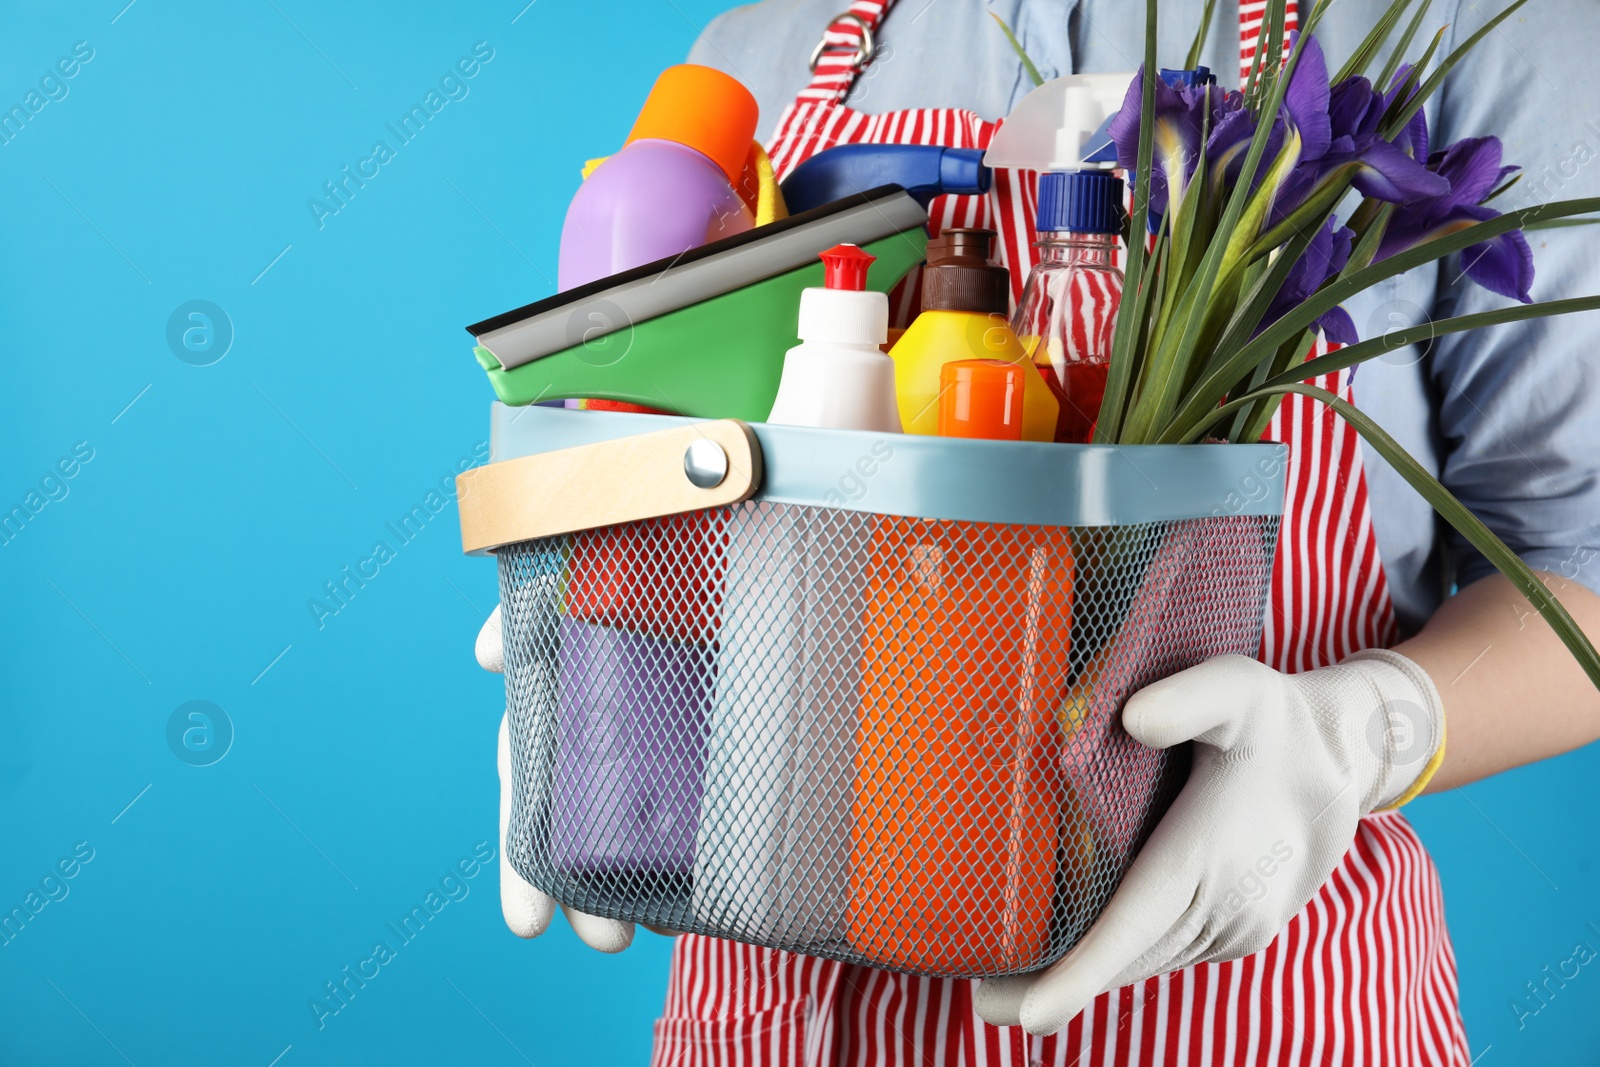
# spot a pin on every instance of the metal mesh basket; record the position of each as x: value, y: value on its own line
x: 877, y: 737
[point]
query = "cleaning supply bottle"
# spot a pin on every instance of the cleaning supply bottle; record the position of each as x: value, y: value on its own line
x: 672, y: 187
x: 625, y: 789
x: 965, y: 297
x: 1069, y: 304
x: 838, y: 375
x: 634, y: 683
x: 632, y: 688
x: 774, y: 832
x: 959, y: 780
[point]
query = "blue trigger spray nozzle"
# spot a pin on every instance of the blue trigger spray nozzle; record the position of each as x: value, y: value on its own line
x: 923, y: 171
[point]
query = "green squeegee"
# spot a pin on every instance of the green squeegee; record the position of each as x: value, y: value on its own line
x: 702, y: 335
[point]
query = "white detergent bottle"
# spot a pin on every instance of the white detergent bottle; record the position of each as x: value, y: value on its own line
x: 771, y: 857
x: 838, y: 376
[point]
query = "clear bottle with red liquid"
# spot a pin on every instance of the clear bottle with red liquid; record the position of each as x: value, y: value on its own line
x: 1069, y: 305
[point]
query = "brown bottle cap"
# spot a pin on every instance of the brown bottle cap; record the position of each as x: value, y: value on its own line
x: 960, y: 276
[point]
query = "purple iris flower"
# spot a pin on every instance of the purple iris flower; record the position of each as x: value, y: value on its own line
x: 1182, y: 114
x: 1305, y: 109
x: 1472, y: 169
x: 1338, y: 126
x: 1324, y: 257
x: 1230, y: 143
x: 1307, y: 99
x: 1180, y: 117
x: 1414, y: 138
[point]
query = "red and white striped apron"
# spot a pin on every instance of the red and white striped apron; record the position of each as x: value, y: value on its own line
x: 1364, y: 974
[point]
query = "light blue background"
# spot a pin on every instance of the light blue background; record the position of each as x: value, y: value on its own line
x: 221, y: 498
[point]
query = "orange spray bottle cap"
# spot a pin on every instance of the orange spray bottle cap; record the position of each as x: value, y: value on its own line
x: 982, y: 398
x: 704, y: 109
x: 845, y: 267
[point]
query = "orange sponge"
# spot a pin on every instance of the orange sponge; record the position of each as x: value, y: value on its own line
x: 704, y: 109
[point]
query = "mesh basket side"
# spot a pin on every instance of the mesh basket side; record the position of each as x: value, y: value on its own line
x: 872, y: 738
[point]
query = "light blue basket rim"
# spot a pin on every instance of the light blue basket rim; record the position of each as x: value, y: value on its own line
x: 945, y: 478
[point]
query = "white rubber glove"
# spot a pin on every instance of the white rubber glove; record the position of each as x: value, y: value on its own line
x: 527, y: 911
x: 1284, y: 767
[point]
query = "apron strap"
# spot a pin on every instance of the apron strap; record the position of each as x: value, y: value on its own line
x: 847, y: 46
x: 1251, y: 13
x: 849, y: 43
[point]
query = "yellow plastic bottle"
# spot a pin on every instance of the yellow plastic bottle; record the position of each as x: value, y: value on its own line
x: 965, y: 296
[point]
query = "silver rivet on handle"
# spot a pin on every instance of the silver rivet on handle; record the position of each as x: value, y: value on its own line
x: 705, y: 464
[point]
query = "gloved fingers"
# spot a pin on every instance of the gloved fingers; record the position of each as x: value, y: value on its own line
x: 602, y: 935
x: 526, y: 910
x: 490, y: 647
x: 1247, y: 928
x: 1144, y: 908
x: 1198, y: 952
x: 1233, y: 945
x: 998, y: 1001
x: 1180, y: 946
x: 502, y: 763
x: 1206, y: 703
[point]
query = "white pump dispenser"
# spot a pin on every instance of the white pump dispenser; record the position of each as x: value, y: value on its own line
x: 839, y: 376
x: 1050, y: 128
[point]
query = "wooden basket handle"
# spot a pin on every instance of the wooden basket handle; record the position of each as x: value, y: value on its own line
x: 631, y: 478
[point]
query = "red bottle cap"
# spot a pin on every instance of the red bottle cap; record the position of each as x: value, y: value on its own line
x: 845, y: 267
x: 982, y: 398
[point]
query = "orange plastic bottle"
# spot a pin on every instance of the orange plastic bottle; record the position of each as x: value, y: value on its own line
x: 958, y: 772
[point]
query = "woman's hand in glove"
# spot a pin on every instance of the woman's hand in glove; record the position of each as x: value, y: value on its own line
x: 1284, y: 767
x: 527, y: 911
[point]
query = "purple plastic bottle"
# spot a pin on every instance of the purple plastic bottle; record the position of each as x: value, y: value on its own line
x: 630, y: 751
x: 672, y: 187
x: 652, y: 200
x: 631, y: 715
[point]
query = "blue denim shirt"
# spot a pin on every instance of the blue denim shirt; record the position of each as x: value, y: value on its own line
x: 1508, y: 418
